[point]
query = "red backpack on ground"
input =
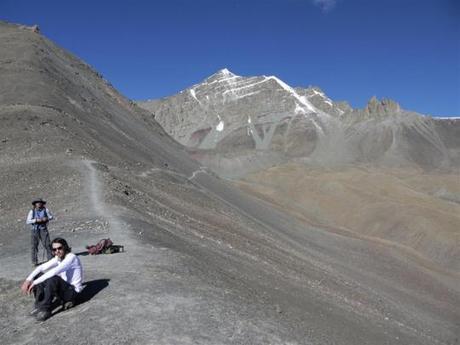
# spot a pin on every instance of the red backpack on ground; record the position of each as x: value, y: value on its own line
x: 101, y: 247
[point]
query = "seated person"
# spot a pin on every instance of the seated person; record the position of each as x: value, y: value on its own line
x: 60, y: 277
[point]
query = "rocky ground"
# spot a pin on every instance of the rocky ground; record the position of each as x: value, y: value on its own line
x: 198, y: 269
x: 151, y: 293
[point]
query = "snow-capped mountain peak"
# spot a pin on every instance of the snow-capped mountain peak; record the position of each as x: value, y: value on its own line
x: 221, y: 75
x: 267, y: 121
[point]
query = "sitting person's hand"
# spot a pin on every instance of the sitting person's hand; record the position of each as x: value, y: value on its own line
x: 26, y: 287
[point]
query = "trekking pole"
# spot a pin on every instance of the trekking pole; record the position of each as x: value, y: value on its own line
x: 43, y: 252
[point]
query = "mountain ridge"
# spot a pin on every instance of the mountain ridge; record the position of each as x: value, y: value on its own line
x: 266, y: 120
x: 388, y: 104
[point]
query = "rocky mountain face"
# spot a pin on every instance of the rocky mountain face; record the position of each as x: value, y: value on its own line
x: 240, y: 124
x: 204, y: 263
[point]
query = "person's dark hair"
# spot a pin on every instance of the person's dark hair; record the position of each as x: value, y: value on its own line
x: 63, y: 242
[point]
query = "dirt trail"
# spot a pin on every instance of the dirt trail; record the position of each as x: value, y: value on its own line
x: 135, y: 253
x: 95, y: 194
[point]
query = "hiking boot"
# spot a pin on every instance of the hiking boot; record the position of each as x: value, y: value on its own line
x: 34, y: 312
x: 67, y: 305
x: 56, y: 302
x: 42, y: 315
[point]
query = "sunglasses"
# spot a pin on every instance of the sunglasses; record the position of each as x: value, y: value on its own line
x: 57, y: 248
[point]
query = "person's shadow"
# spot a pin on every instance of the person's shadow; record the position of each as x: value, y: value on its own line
x: 91, y: 289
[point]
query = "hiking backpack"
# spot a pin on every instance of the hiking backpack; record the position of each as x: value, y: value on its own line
x: 104, y: 246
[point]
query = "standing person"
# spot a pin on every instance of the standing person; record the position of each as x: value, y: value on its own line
x: 38, y: 217
x: 59, y: 277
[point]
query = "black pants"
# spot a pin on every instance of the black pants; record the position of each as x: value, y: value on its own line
x: 43, y: 236
x: 50, y: 288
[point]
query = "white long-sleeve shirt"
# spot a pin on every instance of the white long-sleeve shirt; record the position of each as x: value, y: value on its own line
x: 69, y: 269
x: 31, y: 220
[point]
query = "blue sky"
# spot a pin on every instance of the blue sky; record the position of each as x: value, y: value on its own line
x: 407, y: 50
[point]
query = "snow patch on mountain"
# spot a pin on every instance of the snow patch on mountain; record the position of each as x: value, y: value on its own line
x: 192, y: 92
x: 302, y: 99
x: 224, y: 75
x: 299, y: 110
x: 226, y: 72
x: 233, y: 90
x: 220, y: 126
